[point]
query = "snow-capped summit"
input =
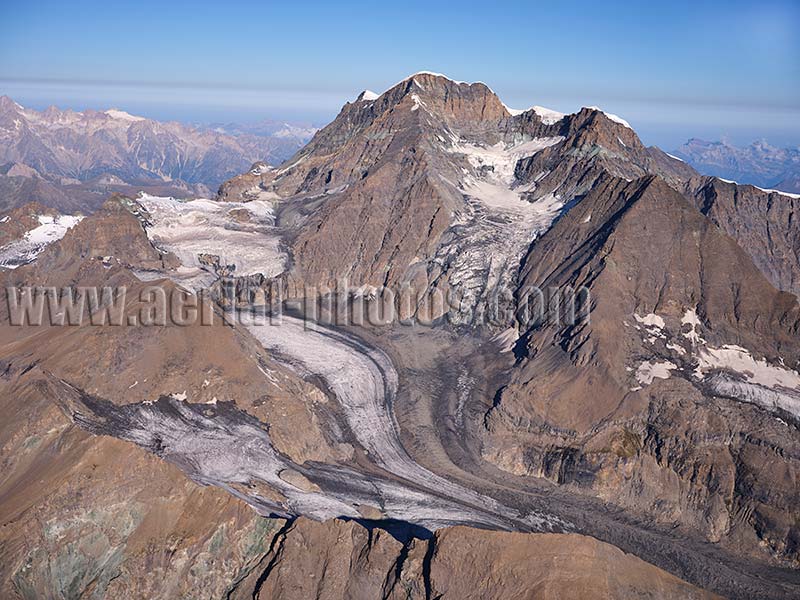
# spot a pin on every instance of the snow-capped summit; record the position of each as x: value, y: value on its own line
x: 367, y: 95
x: 548, y: 115
x: 122, y: 115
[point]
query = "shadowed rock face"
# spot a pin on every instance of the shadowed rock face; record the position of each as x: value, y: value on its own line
x: 589, y: 407
x: 764, y: 224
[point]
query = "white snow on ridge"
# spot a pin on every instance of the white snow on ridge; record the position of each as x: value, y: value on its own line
x: 548, y: 115
x: 369, y: 95
x: 435, y: 75
x: 675, y: 157
x: 778, y: 192
x: 26, y: 249
x: 768, y: 191
x: 123, y: 116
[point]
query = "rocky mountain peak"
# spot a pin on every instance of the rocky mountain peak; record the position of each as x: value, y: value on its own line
x: 440, y: 96
x: 7, y: 105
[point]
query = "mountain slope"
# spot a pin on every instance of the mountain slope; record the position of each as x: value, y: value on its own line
x: 634, y: 404
x: 763, y: 222
x: 680, y: 310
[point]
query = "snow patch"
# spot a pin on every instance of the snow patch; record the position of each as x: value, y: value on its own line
x: 369, y: 95
x: 787, y: 194
x: 690, y: 318
x: 651, y: 320
x: 547, y: 115
x: 676, y: 348
x: 121, y: 115
x: 739, y: 360
x: 648, y: 371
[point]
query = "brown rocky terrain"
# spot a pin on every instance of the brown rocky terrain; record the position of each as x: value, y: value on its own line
x: 84, y: 514
x: 573, y: 408
x: 474, y: 456
x: 647, y: 248
x: 434, y: 171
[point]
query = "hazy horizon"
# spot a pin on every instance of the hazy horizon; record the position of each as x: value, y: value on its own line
x: 667, y: 134
x: 711, y: 70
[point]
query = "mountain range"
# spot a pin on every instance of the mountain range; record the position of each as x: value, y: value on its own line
x: 487, y: 446
x: 73, y: 160
x: 759, y: 163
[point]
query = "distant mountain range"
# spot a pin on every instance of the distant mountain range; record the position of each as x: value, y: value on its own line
x: 73, y: 160
x: 759, y: 163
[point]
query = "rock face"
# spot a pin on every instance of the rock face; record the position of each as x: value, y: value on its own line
x: 625, y: 406
x: 764, y: 223
x: 344, y: 560
x: 409, y: 186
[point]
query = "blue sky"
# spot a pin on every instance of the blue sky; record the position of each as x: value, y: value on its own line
x: 673, y: 69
